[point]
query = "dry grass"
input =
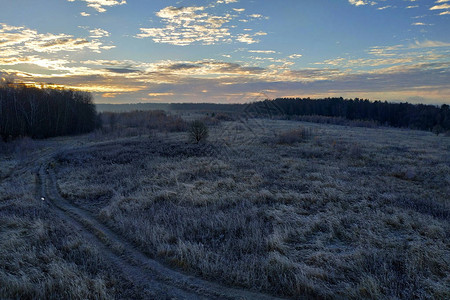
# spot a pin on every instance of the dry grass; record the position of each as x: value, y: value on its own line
x: 350, y: 212
x: 41, y: 256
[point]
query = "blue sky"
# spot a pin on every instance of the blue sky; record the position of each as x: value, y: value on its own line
x: 230, y: 51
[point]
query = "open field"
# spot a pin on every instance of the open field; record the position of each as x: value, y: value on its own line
x: 324, y: 212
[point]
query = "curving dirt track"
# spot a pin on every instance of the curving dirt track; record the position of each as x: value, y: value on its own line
x: 126, y: 258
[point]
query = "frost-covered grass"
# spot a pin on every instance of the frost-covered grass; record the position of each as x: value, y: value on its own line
x: 347, y: 212
x: 41, y: 255
x: 351, y: 212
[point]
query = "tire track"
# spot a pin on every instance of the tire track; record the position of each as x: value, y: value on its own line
x: 129, y: 260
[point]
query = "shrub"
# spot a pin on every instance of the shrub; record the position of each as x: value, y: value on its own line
x: 437, y: 129
x: 294, y: 136
x: 198, y: 131
x: 210, y: 121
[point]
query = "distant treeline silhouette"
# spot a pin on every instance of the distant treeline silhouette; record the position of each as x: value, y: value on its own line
x: 44, y: 112
x: 414, y: 116
x: 406, y: 115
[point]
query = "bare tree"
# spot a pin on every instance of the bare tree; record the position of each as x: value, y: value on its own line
x: 198, y: 131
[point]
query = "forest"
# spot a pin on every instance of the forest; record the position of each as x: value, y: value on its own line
x: 382, y: 113
x: 48, y: 112
x: 44, y: 112
x: 405, y: 115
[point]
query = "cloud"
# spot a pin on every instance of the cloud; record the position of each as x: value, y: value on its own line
x: 361, y: 2
x: 246, y: 38
x: 160, y: 94
x: 188, y: 25
x: 98, y: 33
x: 21, y: 40
x: 441, y: 6
x: 424, y: 52
x: 99, y: 5
x: 210, y: 68
x: 121, y: 70
x: 184, y: 26
x: 183, y: 66
x: 428, y: 44
x: 379, y: 5
x: 262, y: 51
x: 50, y: 64
x: 420, y: 24
x: 57, y: 43
x: 169, y: 81
x: 226, y: 1
x: 295, y: 56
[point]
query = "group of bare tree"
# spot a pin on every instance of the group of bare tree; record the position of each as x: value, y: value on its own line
x: 44, y: 112
x: 148, y: 120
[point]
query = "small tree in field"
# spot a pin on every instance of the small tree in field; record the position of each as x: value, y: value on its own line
x: 437, y: 129
x: 198, y: 131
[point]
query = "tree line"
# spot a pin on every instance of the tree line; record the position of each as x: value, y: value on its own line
x: 406, y: 115
x: 44, y: 112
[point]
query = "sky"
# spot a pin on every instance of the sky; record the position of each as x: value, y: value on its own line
x: 230, y: 51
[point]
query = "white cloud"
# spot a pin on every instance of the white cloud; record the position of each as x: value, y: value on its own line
x: 441, y: 6
x: 420, y: 24
x: 98, y: 33
x: 361, y: 2
x: 20, y: 39
x: 195, y: 24
x: 395, y: 56
x: 246, y: 38
x: 226, y: 1
x: 187, y: 25
x: 262, y: 51
x: 428, y: 44
x: 295, y: 56
x: 99, y: 5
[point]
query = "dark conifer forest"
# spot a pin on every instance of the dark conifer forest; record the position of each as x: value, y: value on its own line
x: 405, y: 115
x: 44, y: 112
